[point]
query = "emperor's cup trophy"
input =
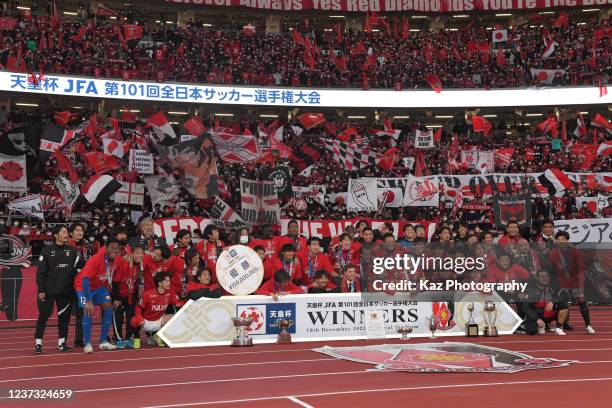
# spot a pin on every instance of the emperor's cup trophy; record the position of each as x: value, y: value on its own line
x: 242, y: 337
x: 490, y: 316
x: 432, y: 324
x: 284, y: 337
x: 404, y: 331
x: 471, y: 327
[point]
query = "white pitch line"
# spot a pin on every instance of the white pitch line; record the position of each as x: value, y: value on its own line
x: 300, y: 403
x: 592, y: 338
x: 150, y: 370
x: 191, y: 356
x: 375, y: 390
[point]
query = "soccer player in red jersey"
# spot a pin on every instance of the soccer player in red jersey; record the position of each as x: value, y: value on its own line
x: 92, y: 285
x: 210, y: 248
x: 280, y: 285
x: 127, y: 286
x: 150, y: 313
x: 312, y: 260
x: 163, y: 261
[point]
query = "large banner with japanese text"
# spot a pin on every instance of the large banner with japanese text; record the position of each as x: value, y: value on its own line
x: 321, y: 317
x: 107, y: 88
x: 595, y: 231
x: 424, y: 6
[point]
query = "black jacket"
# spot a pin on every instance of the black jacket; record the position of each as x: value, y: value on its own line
x: 57, y: 268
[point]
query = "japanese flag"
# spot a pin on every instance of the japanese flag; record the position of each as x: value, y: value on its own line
x: 499, y: 36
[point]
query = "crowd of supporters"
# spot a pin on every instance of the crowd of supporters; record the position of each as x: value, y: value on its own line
x: 94, y: 46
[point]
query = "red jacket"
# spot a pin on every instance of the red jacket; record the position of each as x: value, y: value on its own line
x: 95, y: 270
x: 270, y: 287
x: 210, y: 251
x: 312, y: 265
x: 514, y: 272
x: 345, y: 286
x: 173, y: 265
x: 572, y: 275
x: 128, y: 278
x: 294, y: 269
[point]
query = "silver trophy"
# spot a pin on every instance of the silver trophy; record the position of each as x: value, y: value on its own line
x: 242, y: 337
x: 471, y: 327
x: 404, y: 331
x: 490, y: 316
x: 432, y: 324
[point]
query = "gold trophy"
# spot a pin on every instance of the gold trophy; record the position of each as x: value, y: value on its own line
x: 490, y: 316
x: 284, y: 337
x: 404, y: 331
x: 242, y: 337
x: 471, y: 327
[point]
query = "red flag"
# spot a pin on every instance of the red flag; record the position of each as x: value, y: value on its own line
x: 367, y: 28
x: 132, y: 32
x: 297, y: 37
x: 438, y: 135
x: 128, y: 116
x: 65, y: 166
x: 309, y: 59
x: 117, y: 30
x: 345, y: 135
x: 102, y: 163
x: 562, y: 21
x: 601, y: 122
x: 359, y: 48
x: 388, y: 159
x: 418, y: 168
x: 500, y: 58
x: 341, y: 64
x: 42, y: 43
x: 339, y: 35
x: 434, y: 81
x: 7, y: 24
x: 405, y: 28
x: 310, y: 120
x: 105, y: 11
x: 62, y: 118
x: 550, y: 125
x: 195, y: 126
x: 603, y: 89
x: 480, y: 124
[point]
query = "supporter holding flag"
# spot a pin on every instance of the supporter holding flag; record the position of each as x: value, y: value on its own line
x: 151, y: 310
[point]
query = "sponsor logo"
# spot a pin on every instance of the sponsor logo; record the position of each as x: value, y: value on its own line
x: 442, y: 357
x: 265, y: 317
x: 13, y: 251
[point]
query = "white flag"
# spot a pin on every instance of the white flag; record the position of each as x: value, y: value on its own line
x: 422, y: 192
x: 30, y: 206
x: 362, y: 195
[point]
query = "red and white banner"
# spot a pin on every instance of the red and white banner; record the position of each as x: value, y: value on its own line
x: 425, y: 6
x: 167, y: 228
x: 130, y: 193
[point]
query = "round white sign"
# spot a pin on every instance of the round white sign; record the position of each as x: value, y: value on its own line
x: 239, y: 270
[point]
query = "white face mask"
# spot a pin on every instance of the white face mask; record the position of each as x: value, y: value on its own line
x: 244, y: 239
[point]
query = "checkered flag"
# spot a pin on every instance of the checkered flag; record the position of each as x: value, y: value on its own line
x: 350, y: 155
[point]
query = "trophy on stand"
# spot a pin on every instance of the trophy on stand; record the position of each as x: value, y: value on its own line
x: 490, y: 316
x: 242, y: 337
x: 432, y: 324
x: 404, y: 331
x: 284, y: 337
x: 471, y: 327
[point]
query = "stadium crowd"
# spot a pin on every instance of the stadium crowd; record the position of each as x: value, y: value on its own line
x: 97, y: 46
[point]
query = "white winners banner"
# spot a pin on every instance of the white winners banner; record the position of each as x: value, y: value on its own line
x: 597, y: 230
x: 324, y: 317
x: 141, y: 161
x: 362, y: 195
x: 239, y: 95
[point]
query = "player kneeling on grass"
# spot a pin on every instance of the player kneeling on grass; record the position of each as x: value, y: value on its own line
x: 151, y: 309
x: 543, y: 303
x: 92, y: 285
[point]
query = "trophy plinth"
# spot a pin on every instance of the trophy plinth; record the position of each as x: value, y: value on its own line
x: 404, y: 331
x: 284, y: 337
x: 242, y: 337
x: 471, y: 327
x: 490, y: 316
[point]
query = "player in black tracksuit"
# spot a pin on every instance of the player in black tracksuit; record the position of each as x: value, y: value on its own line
x: 58, y: 265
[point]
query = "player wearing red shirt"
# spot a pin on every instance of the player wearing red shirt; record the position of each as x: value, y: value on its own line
x: 92, y: 285
x: 150, y: 313
x: 210, y: 248
x: 344, y: 254
x: 128, y: 284
x: 286, y: 261
x: 163, y: 261
x: 313, y: 260
x: 183, y: 243
x: 293, y: 236
x: 280, y: 285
